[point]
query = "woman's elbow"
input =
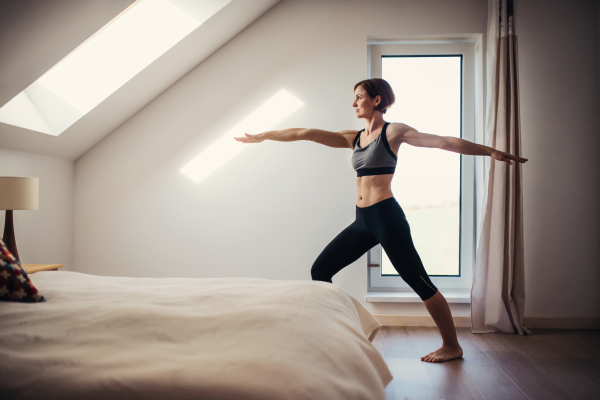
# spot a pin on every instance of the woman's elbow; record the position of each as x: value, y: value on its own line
x: 446, y: 143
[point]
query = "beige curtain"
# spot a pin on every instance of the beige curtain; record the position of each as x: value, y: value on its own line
x: 498, y: 293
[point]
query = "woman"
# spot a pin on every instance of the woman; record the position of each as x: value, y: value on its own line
x: 379, y: 217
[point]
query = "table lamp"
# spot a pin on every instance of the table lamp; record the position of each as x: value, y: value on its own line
x: 16, y: 193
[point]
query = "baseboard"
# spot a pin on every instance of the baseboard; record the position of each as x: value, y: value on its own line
x: 465, y: 322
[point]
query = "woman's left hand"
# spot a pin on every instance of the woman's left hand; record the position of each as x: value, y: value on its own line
x: 506, y: 157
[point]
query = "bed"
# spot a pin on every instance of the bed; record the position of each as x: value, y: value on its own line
x: 101, y: 337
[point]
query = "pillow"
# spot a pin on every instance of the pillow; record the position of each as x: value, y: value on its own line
x: 15, y: 285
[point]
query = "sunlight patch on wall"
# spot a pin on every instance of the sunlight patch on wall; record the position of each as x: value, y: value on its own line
x: 105, y: 62
x: 272, y: 112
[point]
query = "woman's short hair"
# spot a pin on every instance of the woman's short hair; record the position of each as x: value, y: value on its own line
x: 378, y: 86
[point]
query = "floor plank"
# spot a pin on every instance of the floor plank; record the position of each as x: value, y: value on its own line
x: 450, y: 381
x: 578, y: 386
x: 534, y: 383
x: 580, y: 378
x: 425, y: 336
x: 411, y: 380
x: 390, y: 394
x: 379, y: 346
x: 587, y: 341
x: 589, y: 367
x: 493, y: 383
x: 494, y: 341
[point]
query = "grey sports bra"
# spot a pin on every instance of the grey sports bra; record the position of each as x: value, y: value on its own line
x: 376, y: 158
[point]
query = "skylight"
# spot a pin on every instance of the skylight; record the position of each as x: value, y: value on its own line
x: 105, y: 62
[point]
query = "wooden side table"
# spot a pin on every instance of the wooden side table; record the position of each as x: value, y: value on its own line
x: 33, y: 268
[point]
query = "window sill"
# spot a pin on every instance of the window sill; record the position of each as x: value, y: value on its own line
x: 451, y: 295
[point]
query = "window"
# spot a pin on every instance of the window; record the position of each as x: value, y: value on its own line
x: 434, y: 83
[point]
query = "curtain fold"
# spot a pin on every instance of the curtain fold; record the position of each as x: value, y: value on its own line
x: 498, y: 292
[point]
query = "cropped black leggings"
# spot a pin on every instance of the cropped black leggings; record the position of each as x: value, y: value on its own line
x: 383, y: 222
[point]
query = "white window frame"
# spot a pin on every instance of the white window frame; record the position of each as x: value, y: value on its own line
x: 470, y: 47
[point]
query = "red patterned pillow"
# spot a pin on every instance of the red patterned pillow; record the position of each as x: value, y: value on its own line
x: 15, y: 285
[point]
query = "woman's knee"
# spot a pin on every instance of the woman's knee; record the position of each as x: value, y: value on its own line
x: 318, y: 273
x: 422, y: 285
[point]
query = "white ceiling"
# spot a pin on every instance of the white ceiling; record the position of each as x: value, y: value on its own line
x: 36, y: 34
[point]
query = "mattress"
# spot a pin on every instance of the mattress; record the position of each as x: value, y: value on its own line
x: 101, y: 337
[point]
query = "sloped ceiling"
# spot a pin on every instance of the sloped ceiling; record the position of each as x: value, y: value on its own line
x: 36, y: 34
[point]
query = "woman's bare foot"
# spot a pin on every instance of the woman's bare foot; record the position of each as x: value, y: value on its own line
x: 444, y: 353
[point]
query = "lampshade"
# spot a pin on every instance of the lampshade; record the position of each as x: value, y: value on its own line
x: 19, y: 193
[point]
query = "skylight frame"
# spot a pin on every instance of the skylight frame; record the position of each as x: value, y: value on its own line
x: 66, y: 92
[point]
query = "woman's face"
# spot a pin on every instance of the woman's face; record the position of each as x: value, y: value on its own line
x: 363, y: 104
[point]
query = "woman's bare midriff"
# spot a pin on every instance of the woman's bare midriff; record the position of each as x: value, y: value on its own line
x: 373, y: 189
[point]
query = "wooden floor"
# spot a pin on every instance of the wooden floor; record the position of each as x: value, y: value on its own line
x: 549, y: 364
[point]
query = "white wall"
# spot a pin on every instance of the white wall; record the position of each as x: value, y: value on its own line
x: 270, y: 211
x: 559, y: 107
x: 43, y: 236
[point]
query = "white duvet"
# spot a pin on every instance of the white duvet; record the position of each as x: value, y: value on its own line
x: 100, y: 337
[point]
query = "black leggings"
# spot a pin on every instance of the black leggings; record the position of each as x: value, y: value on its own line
x: 383, y: 222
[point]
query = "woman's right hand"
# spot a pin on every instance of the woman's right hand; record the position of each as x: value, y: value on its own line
x: 250, y: 138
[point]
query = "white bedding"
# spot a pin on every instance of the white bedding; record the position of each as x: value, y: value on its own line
x: 100, y: 337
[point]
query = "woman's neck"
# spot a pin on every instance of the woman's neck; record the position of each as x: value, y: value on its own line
x: 374, y: 123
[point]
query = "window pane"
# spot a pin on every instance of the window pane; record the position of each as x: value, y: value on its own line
x: 427, y: 181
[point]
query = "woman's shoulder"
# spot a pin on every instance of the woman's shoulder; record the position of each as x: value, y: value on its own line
x: 394, y: 126
x: 395, y: 131
x: 398, y: 127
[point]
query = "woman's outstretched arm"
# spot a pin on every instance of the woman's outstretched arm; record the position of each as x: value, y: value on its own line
x: 409, y: 135
x: 284, y: 135
x: 342, y: 139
